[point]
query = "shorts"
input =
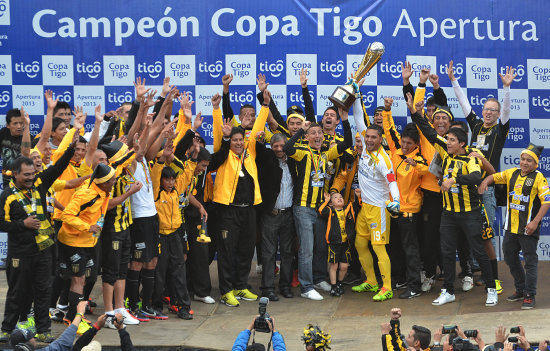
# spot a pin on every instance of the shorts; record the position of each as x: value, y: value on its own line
x: 76, y: 261
x: 487, y: 232
x: 339, y: 253
x: 116, y: 252
x: 373, y: 223
x: 144, y: 232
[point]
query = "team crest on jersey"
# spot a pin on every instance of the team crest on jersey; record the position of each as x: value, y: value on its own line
x: 116, y: 245
x: 75, y: 268
x: 373, y: 225
x: 15, y: 262
x: 547, y: 198
x: 137, y: 254
x: 529, y: 182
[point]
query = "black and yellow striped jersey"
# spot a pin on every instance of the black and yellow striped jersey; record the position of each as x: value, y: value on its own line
x: 526, y: 193
x: 120, y: 217
x: 311, y: 166
x: 466, y: 171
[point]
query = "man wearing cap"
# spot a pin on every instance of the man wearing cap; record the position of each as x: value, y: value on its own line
x: 24, y: 216
x: 528, y: 202
x: 115, y: 242
x: 83, y: 220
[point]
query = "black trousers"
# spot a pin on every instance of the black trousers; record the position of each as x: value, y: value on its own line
x: 29, y: 279
x: 525, y: 279
x: 198, y: 272
x: 236, y: 241
x: 430, y: 250
x: 396, y: 254
x: 320, y: 249
x: 452, y: 225
x: 277, y: 231
x: 409, y: 242
x: 171, y: 264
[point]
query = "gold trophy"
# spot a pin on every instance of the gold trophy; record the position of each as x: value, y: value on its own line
x: 344, y: 96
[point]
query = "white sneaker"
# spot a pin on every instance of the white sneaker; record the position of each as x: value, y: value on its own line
x: 467, y: 283
x: 427, y: 284
x: 109, y: 322
x: 323, y: 286
x: 312, y: 295
x: 492, y: 297
x: 128, y: 318
x: 259, y: 269
x: 443, y: 298
x: 206, y: 299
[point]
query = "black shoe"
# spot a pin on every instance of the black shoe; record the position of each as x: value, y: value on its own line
x: 152, y: 313
x: 515, y: 297
x: 398, y: 285
x: 351, y: 278
x: 528, y: 302
x: 410, y: 293
x: 334, y: 291
x: 183, y: 313
x: 271, y: 296
x: 340, y: 288
x: 287, y: 294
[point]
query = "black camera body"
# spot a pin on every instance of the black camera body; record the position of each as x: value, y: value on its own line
x: 260, y: 324
x: 460, y: 344
x: 514, y: 330
x: 470, y: 333
x: 513, y: 339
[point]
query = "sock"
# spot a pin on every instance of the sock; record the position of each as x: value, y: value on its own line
x: 147, y: 282
x: 64, y: 296
x: 57, y: 286
x: 119, y: 310
x: 62, y: 307
x: 74, y: 299
x: 88, y: 287
x: 132, y: 287
x: 494, y: 267
x: 110, y: 313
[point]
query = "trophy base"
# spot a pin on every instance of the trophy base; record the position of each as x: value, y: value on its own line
x: 343, y: 97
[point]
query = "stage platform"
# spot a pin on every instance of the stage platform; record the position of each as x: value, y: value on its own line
x: 353, y: 320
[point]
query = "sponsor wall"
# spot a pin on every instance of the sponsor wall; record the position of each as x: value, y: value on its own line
x: 89, y: 53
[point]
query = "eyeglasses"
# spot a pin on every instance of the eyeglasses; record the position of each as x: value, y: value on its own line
x: 490, y: 109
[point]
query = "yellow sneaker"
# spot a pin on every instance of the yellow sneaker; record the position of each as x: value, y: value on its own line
x: 365, y: 286
x: 245, y: 294
x: 498, y: 287
x: 229, y: 299
x: 82, y: 328
x: 383, y: 295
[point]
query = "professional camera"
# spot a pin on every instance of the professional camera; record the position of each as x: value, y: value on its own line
x: 460, y: 344
x: 260, y: 324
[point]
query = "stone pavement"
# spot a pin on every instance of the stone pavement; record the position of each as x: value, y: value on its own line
x: 353, y: 320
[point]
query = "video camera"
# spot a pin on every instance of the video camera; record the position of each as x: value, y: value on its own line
x: 260, y: 324
x: 460, y: 344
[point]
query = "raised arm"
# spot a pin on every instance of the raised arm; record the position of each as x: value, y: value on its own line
x: 226, y: 104
x: 392, y: 135
x: 308, y: 103
x: 439, y: 95
x: 26, y: 140
x: 94, y: 138
x: 289, y: 147
x: 348, y: 138
x: 506, y: 104
x: 145, y: 104
x: 462, y: 99
x: 47, y: 127
x: 217, y: 122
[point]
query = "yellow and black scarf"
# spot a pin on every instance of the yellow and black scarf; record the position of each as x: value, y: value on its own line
x: 33, y: 207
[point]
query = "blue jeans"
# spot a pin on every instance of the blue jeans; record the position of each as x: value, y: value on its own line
x: 304, y: 219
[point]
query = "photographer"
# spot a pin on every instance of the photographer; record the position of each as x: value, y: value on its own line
x: 241, y: 343
x: 458, y: 339
x: 419, y: 338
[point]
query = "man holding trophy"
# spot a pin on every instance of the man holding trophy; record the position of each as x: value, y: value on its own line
x: 376, y: 182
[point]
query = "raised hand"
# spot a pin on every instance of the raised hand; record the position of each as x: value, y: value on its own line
x: 166, y: 87
x: 395, y: 313
x: 343, y: 114
x: 267, y: 97
x: 98, y: 116
x: 26, y: 117
x: 216, y: 99
x: 78, y: 112
x: 149, y: 101
x: 140, y: 88
x: 434, y: 79
x: 226, y: 79
x: 48, y: 94
x: 123, y: 139
x: 509, y: 77
x: 410, y: 103
x: 424, y: 74
x: 306, y: 125
x: 450, y: 72
x: 406, y: 72
x: 303, y: 78
x: 168, y: 149
x: 186, y: 104
x: 419, y: 105
x: 227, y: 127
x: 198, y: 121
x: 388, y: 102
x: 262, y: 85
